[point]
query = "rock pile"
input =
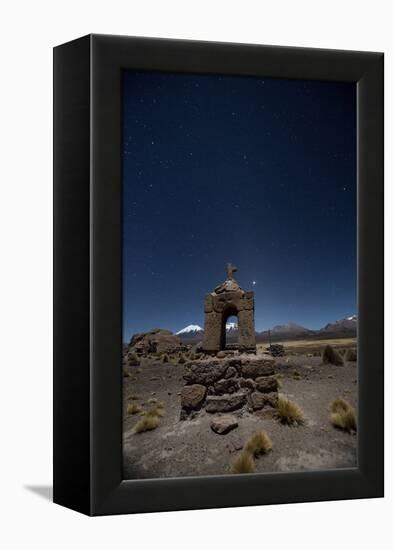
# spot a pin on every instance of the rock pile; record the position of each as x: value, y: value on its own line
x: 157, y: 341
x: 276, y: 350
x: 229, y: 384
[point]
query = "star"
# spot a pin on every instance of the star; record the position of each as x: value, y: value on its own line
x: 254, y: 283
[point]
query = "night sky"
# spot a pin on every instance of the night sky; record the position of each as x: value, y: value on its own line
x: 254, y: 171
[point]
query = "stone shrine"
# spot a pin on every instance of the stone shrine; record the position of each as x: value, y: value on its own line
x: 226, y: 300
x: 235, y: 380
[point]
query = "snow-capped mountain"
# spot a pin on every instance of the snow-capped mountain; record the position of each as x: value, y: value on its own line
x: 194, y: 333
x: 347, y: 325
x: 190, y: 329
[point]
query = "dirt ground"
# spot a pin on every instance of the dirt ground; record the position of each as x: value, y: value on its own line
x: 190, y: 448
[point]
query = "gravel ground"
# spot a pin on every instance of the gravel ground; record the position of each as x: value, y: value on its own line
x: 190, y: 448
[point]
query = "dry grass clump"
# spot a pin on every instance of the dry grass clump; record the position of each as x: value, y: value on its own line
x: 331, y: 356
x: 132, y: 397
x: 126, y: 374
x: 297, y: 375
x: 148, y: 422
x: 243, y: 463
x: 258, y: 444
x: 133, y: 408
x: 343, y: 415
x: 165, y: 358
x: 156, y: 408
x: 156, y: 411
x: 351, y: 355
x: 181, y: 359
x: 289, y: 412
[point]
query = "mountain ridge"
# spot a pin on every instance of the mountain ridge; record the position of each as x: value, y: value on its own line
x: 291, y: 331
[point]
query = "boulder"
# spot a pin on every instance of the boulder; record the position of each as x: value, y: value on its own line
x: 266, y: 384
x: 234, y: 363
x: 247, y: 383
x: 231, y: 372
x: 132, y: 360
x: 156, y: 341
x: 193, y: 396
x: 205, y: 372
x: 227, y: 385
x: 276, y: 350
x: 223, y: 424
x: 257, y: 367
x: 225, y: 403
x: 260, y: 400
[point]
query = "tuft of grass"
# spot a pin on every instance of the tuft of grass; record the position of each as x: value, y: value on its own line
x: 181, y: 359
x: 258, y: 444
x: 156, y: 411
x: 338, y: 405
x: 289, y: 412
x: 165, y: 358
x: 133, y: 409
x: 343, y: 415
x: 243, y: 464
x: 331, y: 356
x: 126, y: 374
x: 148, y: 422
x: 156, y: 408
x: 297, y: 375
x: 132, y: 397
x: 351, y: 355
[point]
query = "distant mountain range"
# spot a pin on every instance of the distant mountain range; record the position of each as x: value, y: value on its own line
x: 338, y: 329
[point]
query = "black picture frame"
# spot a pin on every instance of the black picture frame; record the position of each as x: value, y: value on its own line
x: 88, y: 271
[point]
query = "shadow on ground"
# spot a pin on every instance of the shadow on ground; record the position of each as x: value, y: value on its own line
x: 44, y: 491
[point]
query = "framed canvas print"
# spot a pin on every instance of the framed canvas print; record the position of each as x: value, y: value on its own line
x: 218, y: 275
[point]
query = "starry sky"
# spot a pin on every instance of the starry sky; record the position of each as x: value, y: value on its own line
x: 254, y: 171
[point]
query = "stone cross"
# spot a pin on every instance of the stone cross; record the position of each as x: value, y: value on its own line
x: 231, y: 269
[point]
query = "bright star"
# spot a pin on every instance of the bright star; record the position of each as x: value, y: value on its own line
x: 254, y: 283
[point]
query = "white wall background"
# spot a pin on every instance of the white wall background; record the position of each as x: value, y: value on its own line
x: 29, y: 30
